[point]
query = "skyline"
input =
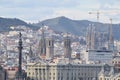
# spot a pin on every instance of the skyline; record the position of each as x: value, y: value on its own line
x: 35, y: 11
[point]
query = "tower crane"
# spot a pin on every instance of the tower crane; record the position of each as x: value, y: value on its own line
x: 99, y: 42
x: 104, y: 12
x: 97, y: 14
x: 111, y: 42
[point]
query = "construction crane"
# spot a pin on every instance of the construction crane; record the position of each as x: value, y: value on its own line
x: 99, y: 42
x: 111, y: 42
x: 104, y: 12
x: 97, y: 14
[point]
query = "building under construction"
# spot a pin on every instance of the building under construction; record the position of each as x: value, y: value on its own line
x: 97, y: 40
x: 100, y: 45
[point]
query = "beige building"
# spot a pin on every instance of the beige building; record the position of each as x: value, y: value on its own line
x: 52, y: 71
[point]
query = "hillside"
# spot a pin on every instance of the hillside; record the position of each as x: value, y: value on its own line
x: 5, y: 23
x: 77, y: 27
x: 61, y: 24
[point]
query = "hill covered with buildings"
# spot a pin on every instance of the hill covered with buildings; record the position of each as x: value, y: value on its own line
x: 61, y: 24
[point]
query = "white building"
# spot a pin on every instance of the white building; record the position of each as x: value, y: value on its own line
x: 99, y: 56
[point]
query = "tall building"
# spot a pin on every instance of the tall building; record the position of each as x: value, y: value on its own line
x: 99, y: 46
x: 49, y: 48
x: 90, y: 37
x: 67, y: 47
x: 97, y: 39
x: 42, y: 45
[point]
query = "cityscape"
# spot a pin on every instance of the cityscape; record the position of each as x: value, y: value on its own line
x: 61, y: 47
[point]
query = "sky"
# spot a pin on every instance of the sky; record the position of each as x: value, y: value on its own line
x: 37, y: 10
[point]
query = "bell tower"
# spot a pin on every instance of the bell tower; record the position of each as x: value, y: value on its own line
x: 67, y: 47
x: 49, y: 48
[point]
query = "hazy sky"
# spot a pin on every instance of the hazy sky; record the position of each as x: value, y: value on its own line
x: 37, y: 10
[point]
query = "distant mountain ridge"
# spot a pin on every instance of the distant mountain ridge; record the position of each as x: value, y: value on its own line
x: 5, y: 23
x: 64, y: 24
x: 61, y: 24
x: 77, y: 27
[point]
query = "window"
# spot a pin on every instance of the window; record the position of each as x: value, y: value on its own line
x: 100, y: 78
x: 33, y: 73
x: 58, y: 78
x: 61, y: 73
x: 61, y: 78
x: 80, y: 78
x: 49, y: 43
x: 67, y: 78
x: 67, y: 74
x: 53, y: 78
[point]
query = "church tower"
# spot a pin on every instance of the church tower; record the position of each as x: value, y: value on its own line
x: 67, y: 47
x: 42, y: 45
x: 31, y: 52
x: 111, y: 40
x: 49, y: 48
